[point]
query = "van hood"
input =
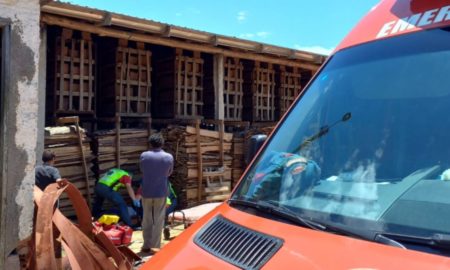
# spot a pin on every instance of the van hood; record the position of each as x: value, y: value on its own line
x: 302, y: 248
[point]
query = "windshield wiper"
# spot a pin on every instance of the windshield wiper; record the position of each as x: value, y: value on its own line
x: 364, y: 234
x: 323, y: 130
x: 279, y: 211
x: 274, y: 208
x: 438, y: 240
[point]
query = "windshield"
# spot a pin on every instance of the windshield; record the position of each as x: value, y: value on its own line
x: 368, y: 144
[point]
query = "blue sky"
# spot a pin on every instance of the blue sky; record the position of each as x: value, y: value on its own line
x: 316, y: 25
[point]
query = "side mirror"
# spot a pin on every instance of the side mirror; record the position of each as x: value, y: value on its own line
x: 256, y: 141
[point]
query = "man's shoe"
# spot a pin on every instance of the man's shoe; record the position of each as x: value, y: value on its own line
x: 153, y: 251
x: 145, y: 250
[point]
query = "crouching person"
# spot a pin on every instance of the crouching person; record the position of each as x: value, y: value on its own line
x: 107, y: 188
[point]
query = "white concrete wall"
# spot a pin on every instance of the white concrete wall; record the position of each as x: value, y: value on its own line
x: 20, y: 129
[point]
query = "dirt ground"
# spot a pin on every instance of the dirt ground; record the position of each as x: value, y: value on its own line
x: 137, y: 242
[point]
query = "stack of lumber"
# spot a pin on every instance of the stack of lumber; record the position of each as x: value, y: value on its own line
x: 64, y: 142
x: 132, y: 143
x: 238, y: 164
x: 181, y: 142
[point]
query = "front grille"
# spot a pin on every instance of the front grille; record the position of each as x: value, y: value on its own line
x: 237, y: 245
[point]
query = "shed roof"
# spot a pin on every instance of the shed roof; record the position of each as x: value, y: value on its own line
x: 122, y: 26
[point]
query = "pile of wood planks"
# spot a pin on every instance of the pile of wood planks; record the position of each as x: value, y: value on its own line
x: 65, y: 143
x: 203, y: 160
x: 110, y: 154
x: 238, y: 164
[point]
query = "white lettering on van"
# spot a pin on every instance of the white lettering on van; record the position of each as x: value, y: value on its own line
x: 416, y: 20
x: 427, y: 17
x: 406, y: 23
x: 385, y: 29
x: 444, y: 14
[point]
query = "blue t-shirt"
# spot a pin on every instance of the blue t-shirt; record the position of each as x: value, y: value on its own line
x: 45, y: 175
x: 156, y: 167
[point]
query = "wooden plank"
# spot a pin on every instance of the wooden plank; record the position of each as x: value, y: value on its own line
x: 148, y: 88
x: 210, y: 133
x: 199, y: 160
x: 61, y: 77
x: 128, y: 89
x: 222, y: 197
x: 83, y: 156
x: 71, y: 73
x: 139, y: 82
x: 185, y: 90
x: 217, y: 189
x: 194, y: 84
x: 91, y: 87
x: 81, y: 97
x: 221, y: 134
x: 118, y: 141
x: 178, y: 84
x: 122, y: 73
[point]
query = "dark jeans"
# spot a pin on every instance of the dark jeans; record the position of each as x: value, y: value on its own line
x: 103, y: 192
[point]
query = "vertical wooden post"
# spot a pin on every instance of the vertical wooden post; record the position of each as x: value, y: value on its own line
x: 218, y: 74
x: 122, y: 73
x: 61, y: 74
x: 149, y: 84
x: 185, y: 99
x: 128, y: 90
x: 221, y: 134
x: 199, y: 160
x: 177, y: 96
x: 92, y: 86
x: 194, y: 85
x: 71, y: 74
x: 118, y: 141
x: 75, y: 120
x: 83, y: 156
x: 81, y: 62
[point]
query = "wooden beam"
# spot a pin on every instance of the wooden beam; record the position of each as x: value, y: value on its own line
x: 218, y: 74
x: 115, y: 33
x: 199, y: 161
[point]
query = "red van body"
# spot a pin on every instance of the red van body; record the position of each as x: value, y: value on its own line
x: 406, y: 212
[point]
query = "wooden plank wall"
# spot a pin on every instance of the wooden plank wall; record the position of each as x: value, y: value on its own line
x: 233, y: 89
x: 125, y: 79
x: 180, y: 86
x: 72, y: 80
x: 259, y: 92
x: 289, y: 87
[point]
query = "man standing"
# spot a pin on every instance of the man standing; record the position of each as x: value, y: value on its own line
x: 156, y: 166
x: 46, y: 174
x: 107, y: 187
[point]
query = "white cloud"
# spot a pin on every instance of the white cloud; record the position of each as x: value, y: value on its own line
x: 315, y: 49
x: 263, y: 34
x: 242, y: 15
x: 178, y: 14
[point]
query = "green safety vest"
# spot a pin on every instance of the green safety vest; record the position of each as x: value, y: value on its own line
x: 112, y: 177
x: 172, y: 192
